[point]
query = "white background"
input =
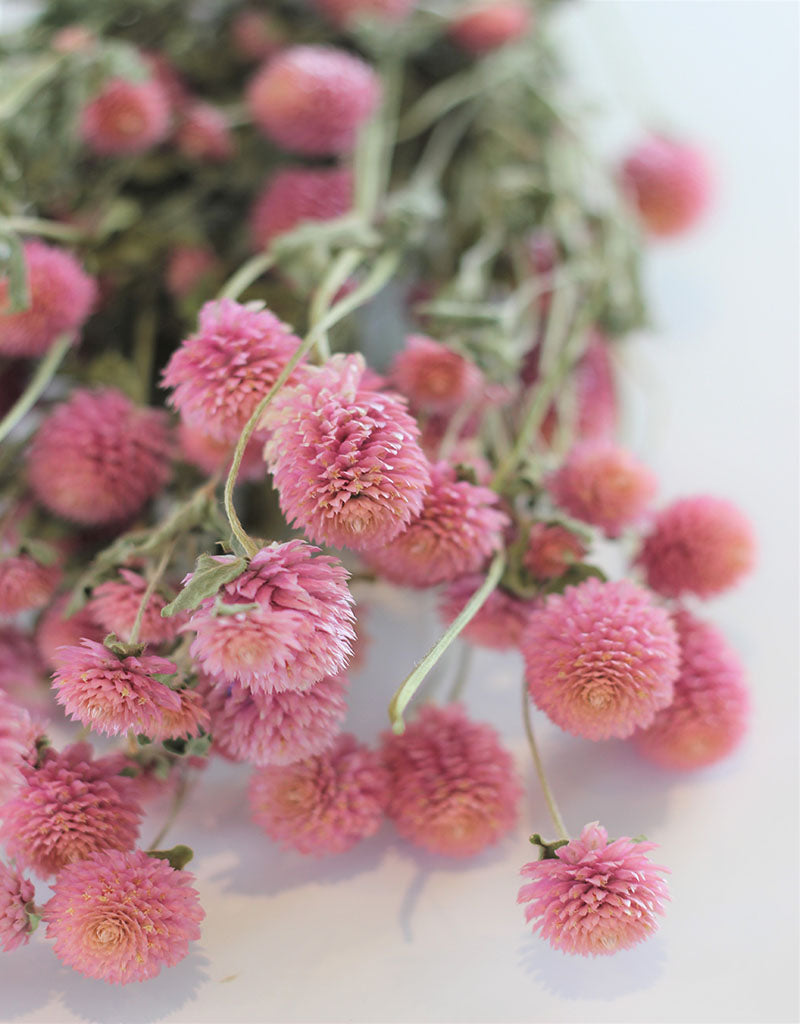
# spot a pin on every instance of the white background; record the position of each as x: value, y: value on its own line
x: 388, y: 934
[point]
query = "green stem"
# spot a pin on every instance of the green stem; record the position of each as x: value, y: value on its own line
x: 42, y: 228
x: 344, y: 265
x: 148, y: 593
x: 249, y: 272
x: 144, y: 343
x: 178, y: 800
x: 462, y: 673
x: 45, y: 372
x: 550, y: 800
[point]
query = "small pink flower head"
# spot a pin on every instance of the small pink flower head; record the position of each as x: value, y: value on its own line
x: 190, y: 718
x: 16, y: 893
x: 68, y: 807
x: 18, y: 735
x: 551, y: 550
x: 204, y: 134
x: 98, y: 458
x: 669, y: 183
x: 601, y: 659
x: 707, y: 718
x: 296, y: 195
x: 499, y: 621
x: 435, y: 378
x: 324, y: 804
x: 54, y: 629
x: 255, y: 34
x: 313, y: 99
x: 602, y: 484
x: 61, y: 298
x: 459, y: 528
x: 213, y: 456
x: 115, y: 605
x: 345, y: 459
x: 188, y: 268
x: 25, y: 585
x: 275, y: 728
x: 300, y: 631
x: 220, y: 374
x: 453, y: 790
x: 126, y: 117
x: 594, y: 897
x: 344, y: 12
x: 489, y: 24
x: 122, y: 916
x: 112, y: 695
x: 701, y: 545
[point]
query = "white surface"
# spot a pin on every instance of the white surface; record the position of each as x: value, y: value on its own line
x: 387, y: 934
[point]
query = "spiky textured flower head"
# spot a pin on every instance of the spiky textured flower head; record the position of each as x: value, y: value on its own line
x: 213, y: 456
x: 61, y: 298
x: 114, y: 605
x: 25, y: 584
x: 18, y: 734
x: 595, y: 897
x: 126, y: 117
x: 499, y: 621
x: 669, y: 183
x: 345, y: 459
x: 344, y: 12
x: 551, y: 550
x: 434, y: 377
x: 601, y: 659
x: 98, y: 458
x: 204, y: 133
x: 454, y: 790
x: 324, y: 804
x: 121, y: 917
x: 295, y: 195
x: 55, y: 629
x: 16, y: 893
x: 489, y: 24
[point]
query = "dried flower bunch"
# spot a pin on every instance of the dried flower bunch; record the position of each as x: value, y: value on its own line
x: 204, y: 440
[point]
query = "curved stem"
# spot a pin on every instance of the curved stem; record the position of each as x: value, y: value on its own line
x: 550, y: 800
x: 462, y: 673
x: 148, y: 592
x: 43, y: 228
x: 246, y: 274
x: 45, y: 372
x: 178, y: 800
x: 344, y: 265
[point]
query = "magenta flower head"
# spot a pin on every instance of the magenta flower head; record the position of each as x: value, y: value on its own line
x: 325, y: 804
x: 219, y: 375
x: 204, y: 133
x: 61, y: 299
x: 126, y: 117
x: 434, y: 377
x: 345, y: 459
x: 669, y: 183
x: 594, y: 897
x: 68, y: 807
x: 344, y: 12
x: 18, y: 734
x: 300, y: 630
x: 499, y: 621
x: 707, y: 718
x: 98, y: 458
x: 121, y: 917
x: 54, y: 629
x: 115, y: 605
x: 489, y: 24
x: 699, y: 545
x: 551, y: 550
x: 296, y: 195
x: 25, y: 585
x: 601, y: 659
x: 16, y: 893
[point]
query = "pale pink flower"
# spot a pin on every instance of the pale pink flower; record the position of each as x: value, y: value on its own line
x: 190, y: 718
x: 213, y: 456
x: 342, y: 12
x: 204, y: 133
x: 296, y: 195
x: 489, y: 24
x: 669, y: 183
x: 18, y: 734
x: 54, y: 629
x: 434, y: 377
x: 114, y: 605
x: 126, y: 117
x: 551, y: 550
x: 189, y: 267
x: 25, y: 584
x: 499, y: 622
x: 16, y: 893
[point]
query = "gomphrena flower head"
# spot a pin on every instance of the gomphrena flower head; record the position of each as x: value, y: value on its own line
x: 188, y: 268
x: 213, y: 456
x: 190, y: 718
x: 296, y: 195
x: 122, y: 916
x: 708, y: 716
x: 98, y: 457
x: 551, y: 550
x: 61, y: 297
x: 453, y: 788
x: 457, y: 531
x: 18, y: 734
x: 344, y: 12
x: 300, y: 630
x: 25, y: 584
x: 345, y: 459
x: 499, y: 621
x: 204, y: 133
x: 700, y: 545
x: 669, y: 183
x: 126, y: 117
x: 68, y: 807
x: 324, y: 804
x: 601, y: 659
x: 489, y: 24
x: 595, y: 897
x: 220, y: 374
x: 434, y: 377
x: 115, y: 605
x: 16, y: 893
x: 603, y: 484
x: 313, y: 99
x: 55, y: 629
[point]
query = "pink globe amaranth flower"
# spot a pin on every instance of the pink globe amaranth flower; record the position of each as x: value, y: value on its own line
x: 345, y: 459
x: 190, y: 718
x: 54, y: 629
x: 204, y: 133
x: 343, y: 12
x: 301, y: 630
x: 122, y: 916
x: 164, y: 72
x: 275, y: 728
x: 61, y: 298
x: 21, y: 670
x: 453, y: 790
x: 488, y: 25
x: 25, y: 585
x: 313, y: 99
x: 16, y: 893
x: 68, y: 807
x: 18, y: 734
x: 700, y: 545
x: 499, y: 622
x: 435, y: 378
x: 220, y: 374
x: 601, y: 659
x: 603, y: 484
x: 458, y: 529
x: 324, y: 804
x: 189, y: 267
x: 669, y: 183
x: 126, y: 118
x: 115, y: 605
x: 551, y: 550
x: 111, y: 695
x: 213, y: 456
x: 296, y: 195
x: 708, y: 716
x: 98, y: 458
x: 595, y: 897
x: 256, y: 34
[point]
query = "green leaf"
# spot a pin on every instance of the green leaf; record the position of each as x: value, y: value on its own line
x: 220, y: 608
x: 188, y: 746
x: 208, y: 576
x: 12, y: 266
x: 178, y: 857
x: 44, y: 553
x: 33, y: 916
x: 547, y: 851
x: 121, y: 649
x: 172, y: 680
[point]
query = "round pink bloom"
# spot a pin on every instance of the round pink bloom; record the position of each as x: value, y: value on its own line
x: 255, y: 34
x: 190, y: 718
x: 220, y: 374
x: 324, y: 804
x: 25, y: 584
x: 341, y: 12
x: 188, y: 267
x: 21, y: 671
x: 453, y: 789
x: 275, y: 728
x: 296, y: 195
x: 701, y: 545
x: 203, y: 133
x: 69, y: 807
x: 213, y: 456
x: 601, y: 659
x: 499, y: 621
x: 595, y: 897
x: 345, y: 459
x: 120, y: 916
x: 487, y: 25
x: 18, y: 735
x: 707, y: 718
x: 300, y: 631
x: 313, y: 99
x: 16, y: 893
x: 551, y: 550
x: 61, y: 299
x: 112, y: 695
x: 669, y: 183
x: 98, y: 458
x: 54, y: 629
x: 115, y: 605
x: 126, y: 117
x: 434, y: 377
